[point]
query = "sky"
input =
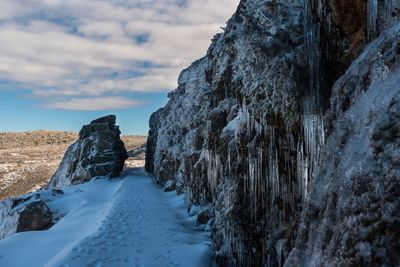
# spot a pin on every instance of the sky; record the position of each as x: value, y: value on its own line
x: 66, y: 62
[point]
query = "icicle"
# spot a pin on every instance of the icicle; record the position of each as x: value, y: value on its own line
x: 312, y: 41
x: 320, y: 8
x: 246, y: 115
x: 313, y: 131
x: 280, y: 251
x: 372, y: 7
x: 308, y: 153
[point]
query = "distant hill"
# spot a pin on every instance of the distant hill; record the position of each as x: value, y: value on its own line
x: 29, y: 159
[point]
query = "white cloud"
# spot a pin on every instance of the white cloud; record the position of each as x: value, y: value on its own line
x: 96, y: 48
x: 96, y: 103
x: 107, y: 29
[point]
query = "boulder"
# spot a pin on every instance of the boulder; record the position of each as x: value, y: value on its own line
x: 99, y: 151
x: 34, y: 216
x: 22, y: 214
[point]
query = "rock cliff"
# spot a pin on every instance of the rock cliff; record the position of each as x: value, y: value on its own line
x: 281, y: 132
x: 99, y: 151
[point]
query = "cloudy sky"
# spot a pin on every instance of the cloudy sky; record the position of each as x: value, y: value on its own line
x: 65, y: 62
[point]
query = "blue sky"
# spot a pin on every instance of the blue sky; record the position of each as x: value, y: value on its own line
x: 64, y: 63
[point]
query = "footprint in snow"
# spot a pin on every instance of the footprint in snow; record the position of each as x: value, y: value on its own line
x: 160, y: 257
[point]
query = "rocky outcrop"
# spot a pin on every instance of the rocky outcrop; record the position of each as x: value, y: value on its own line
x: 256, y: 130
x: 99, y: 151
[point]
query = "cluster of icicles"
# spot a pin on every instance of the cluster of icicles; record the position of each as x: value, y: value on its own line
x: 274, y: 183
x: 381, y: 15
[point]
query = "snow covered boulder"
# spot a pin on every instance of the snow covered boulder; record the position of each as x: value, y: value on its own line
x: 99, y: 151
x: 34, y: 216
x: 24, y: 214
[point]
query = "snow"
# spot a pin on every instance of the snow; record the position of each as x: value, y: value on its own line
x: 118, y: 222
x: 236, y: 125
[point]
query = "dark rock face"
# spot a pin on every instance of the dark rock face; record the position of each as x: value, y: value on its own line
x: 287, y: 155
x: 98, y: 152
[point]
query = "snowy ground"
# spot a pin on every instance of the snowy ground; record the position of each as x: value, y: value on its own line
x: 125, y: 222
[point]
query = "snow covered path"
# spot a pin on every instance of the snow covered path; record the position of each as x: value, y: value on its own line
x: 144, y: 226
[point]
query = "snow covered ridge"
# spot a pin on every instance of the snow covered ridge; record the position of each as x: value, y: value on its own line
x: 253, y: 126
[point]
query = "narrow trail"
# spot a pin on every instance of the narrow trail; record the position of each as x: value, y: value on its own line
x: 144, y: 227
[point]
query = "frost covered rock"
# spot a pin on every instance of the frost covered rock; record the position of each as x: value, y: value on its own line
x: 98, y: 152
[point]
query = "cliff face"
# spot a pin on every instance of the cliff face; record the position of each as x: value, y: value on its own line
x: 256, y: 132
